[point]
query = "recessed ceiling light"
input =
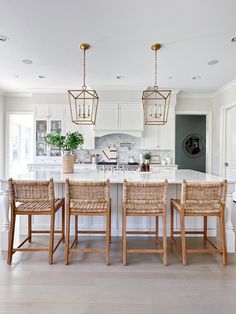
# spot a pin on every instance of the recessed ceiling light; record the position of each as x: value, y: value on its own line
x: 213, y: 62
x: 120, y: 77
x: 170, y: 77
x: 197, y: 77
x: 27, y: 61
x: 233, y: 39
x: 3, y: 38
x: 42, y: 76
x: 16, y: 76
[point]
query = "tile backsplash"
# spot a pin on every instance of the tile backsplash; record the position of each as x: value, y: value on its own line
x: 127, y: 146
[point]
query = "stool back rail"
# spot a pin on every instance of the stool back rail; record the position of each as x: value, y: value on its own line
x: 86, y: 198
x: 34, y: 198
x: 200, y: 199
x: 145, y: 199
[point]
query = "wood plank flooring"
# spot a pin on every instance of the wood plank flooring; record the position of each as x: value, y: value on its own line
x: 87, y: 286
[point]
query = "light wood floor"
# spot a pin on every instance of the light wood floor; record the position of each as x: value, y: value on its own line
x: 31, y: 286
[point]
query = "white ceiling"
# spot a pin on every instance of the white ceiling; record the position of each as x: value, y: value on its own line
x: 120, y: 32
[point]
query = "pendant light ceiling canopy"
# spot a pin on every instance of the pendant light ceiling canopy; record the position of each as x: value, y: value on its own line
x: 83, y: 102
x: 156, y: 101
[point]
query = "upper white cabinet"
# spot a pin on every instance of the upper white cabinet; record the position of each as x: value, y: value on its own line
x: 160, y: 137
x: 86, y: 130
x: 119, y: 117
x: 107, y: 117
x: 49, y: 111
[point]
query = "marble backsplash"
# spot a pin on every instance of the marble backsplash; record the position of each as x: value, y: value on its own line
x: 127, y: 146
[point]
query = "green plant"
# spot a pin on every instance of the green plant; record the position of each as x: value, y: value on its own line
x: 70, y: 141
x: 147, y: 156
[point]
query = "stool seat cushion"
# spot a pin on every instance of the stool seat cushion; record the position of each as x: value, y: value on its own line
x: 44, y: 206
x: 200, y: 207
x: 144, y: 207
x: 89, y: 206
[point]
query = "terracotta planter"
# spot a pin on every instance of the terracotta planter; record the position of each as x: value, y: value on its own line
x: 68, y: 163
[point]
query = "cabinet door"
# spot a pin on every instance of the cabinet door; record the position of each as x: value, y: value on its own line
x: 41, y: 129
x: 54, y: 125
x: 107, y: 117
x: 41, y: 110
x: 130, y: 117
x: 166, y: 136
x: 57, y: 110
x: 149, y: 138
x: 86, y: 130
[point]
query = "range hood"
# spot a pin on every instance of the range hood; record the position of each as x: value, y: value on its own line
x: 99, y: 133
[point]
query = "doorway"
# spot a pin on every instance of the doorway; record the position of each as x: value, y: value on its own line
x: 190, y: 150
x: 230, y: 143
x: 19, y: 143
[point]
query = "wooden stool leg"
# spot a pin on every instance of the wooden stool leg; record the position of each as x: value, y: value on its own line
x: 183, y: 239
x: 51, y: 246
x: 76, y: 228
x: 63, y: 223
x: 157, y: 227
x: 107, y: 236
x: 171, y: 223
x: 164, y: 239
x: 110, y: 224
x: 67, y: 247
x: 223, y: 239
x: 11, y: 238
x: 30, y: 228
x: 124, y: 237
x: 205, y: 228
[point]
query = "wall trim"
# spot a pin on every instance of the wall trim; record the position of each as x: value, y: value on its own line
x: 225, y: 87
x: 209, y: 143
x: 222, y: 156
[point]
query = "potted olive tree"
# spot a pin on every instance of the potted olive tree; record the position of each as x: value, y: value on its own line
x: 67, y: 144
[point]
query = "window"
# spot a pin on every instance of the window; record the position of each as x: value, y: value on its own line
x: 20, y: 142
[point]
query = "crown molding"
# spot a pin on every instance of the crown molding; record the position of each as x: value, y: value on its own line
x: 195, y: 95
x: 18, y: 94
x: 225, y: 87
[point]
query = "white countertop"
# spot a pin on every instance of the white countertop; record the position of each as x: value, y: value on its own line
x: 173, y: 176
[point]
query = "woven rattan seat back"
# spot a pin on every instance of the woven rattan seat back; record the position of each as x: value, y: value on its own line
x: 31, y: 191
x: 213, y: 193
x: 86, y: 190
x: 145, y: 192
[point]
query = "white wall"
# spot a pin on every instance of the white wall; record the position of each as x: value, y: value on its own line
x: 2, y: 135
x: 194, y: 102
x: 226, y: 96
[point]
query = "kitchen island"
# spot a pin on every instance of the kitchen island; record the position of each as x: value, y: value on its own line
x: 174, y: 177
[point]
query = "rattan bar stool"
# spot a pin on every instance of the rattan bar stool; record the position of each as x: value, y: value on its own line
x: 87, y: 198
x: 34, y: 198
x: 145, y: 199
x: 200, y: 199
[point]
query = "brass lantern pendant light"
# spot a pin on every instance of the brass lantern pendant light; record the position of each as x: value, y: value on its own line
x: 156, y: 102
x: 84, y: 102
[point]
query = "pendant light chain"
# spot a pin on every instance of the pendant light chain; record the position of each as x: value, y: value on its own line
x: 155, y: 67
x: 84, y: 64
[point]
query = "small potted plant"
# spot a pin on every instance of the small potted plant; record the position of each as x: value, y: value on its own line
x: 67, y: 144
x: 147, y: 157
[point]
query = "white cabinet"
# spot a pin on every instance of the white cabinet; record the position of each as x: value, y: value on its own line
x: 120, y: 117
x: 86, y: 130
x: 160, y: 137
x: 130, y: 117
x: 52, y: 110
x: 107, y: 117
